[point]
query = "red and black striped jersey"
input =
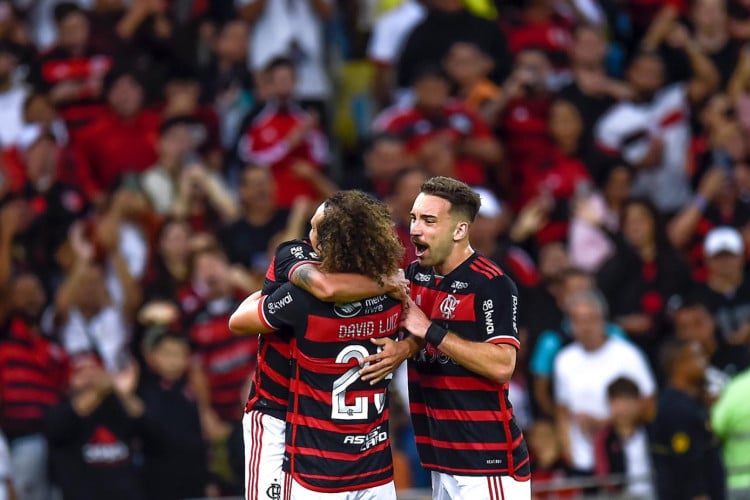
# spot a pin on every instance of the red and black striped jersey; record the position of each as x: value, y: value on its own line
x: 464, y: 422
x: 33, y: 374
x: 225, y: 357
x: 337, y: 432
x: 270, y: 390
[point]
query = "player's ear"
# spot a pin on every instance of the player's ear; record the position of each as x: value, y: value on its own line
x: 461, y: 231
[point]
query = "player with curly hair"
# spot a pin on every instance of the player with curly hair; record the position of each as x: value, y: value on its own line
x: 337, y: 436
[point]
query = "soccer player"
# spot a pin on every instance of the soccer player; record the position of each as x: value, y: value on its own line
x: 295, y: 261
x: 462, y: 317
x: 337, y: 433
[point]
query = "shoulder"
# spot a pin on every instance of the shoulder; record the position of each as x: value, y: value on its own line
x: 568, y: 355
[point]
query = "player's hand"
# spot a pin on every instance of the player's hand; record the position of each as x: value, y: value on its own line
x: 378, y: 366
x: 414, y: 320
x: 397, y: 286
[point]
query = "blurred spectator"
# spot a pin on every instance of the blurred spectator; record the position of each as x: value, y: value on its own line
x: 72, y: 73
x: 384, y: 158
x: 622, y: 447
x: 405, y: 189
x: 523, y: 119
x: 538, y: 25
x: 652, y: 131
x: 122, y: 140
x: 202, y: 198
x: 87, y: 318
x: 469, y: 68
x: 542, y: 360
x: 169, y: 269
x: 730, y: 421
x: 687, y: 459
x: 710, y: 21
x: 182, y: 93
x: 595, y: 217
x: 174, y: 150
x: 591, y: 90
x: 92, y: 433
x: 440, y: 132
x: 251, y: 239
x: 294, y: 30
x: 174, y: 465
x: 726, y: 292
x: 715, y: 204
x: 227, y: 83
x: 642, y: 276
x: 693, y: 323
x: 32, y: 379
x: 448, y: 21
x: 489, y: 236
x: 584, y: 370
x: 53, y: 206
x: 287, y: 140
x: 12, y: 96
x: 389, y: 34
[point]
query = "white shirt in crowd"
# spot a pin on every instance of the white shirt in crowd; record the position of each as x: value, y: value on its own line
x: 11, y: 114
x: 105, y: 333
x: 5, y: 473
x: 291, y: 28
x: 581, y: 380
x: 629, y: 127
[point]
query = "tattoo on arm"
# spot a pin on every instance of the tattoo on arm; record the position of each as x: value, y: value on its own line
x: 302, y: 277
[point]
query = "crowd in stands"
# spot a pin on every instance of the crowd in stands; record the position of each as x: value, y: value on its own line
x: 155, y: 152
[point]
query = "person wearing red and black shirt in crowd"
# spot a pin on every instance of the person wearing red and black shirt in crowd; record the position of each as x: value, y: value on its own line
x: 330, y: 339
x: 462, y: 316
x: 537, y: 25
x: 522, y: 120
x: 287, y: 140
x: 33, y: 370
x: 642, y: 276
x: 122, y: 140
x: 440, y: 132
x: 92, y: 433
x: 71, y: 72
x: 52, y: 205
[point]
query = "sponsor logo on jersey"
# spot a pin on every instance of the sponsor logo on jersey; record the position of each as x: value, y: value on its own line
x: 348, y: 310
x: 368, y: 440
x: 489, y: 309
x: 448, y: 306
x: 515, y: 313
x: 297, y: 252
x: 278, y: 304
x: 459, y: 285
x: 421, y: 277
x: 431, y: 354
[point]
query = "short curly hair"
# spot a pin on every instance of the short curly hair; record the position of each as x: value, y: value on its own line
x: 356, y: 235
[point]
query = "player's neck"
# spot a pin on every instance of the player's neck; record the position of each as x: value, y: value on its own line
x: 457, y: 257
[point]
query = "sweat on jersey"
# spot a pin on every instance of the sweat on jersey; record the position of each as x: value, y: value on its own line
x: 337, y: 436
x: 463, y: 421
x: 270, y: 390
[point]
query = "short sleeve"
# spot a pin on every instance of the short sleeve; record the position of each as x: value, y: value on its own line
x: 496, y: 309
x: 641, y: 373
x: 561, y: 388
x: 288, y: 257
x: 285, y: 306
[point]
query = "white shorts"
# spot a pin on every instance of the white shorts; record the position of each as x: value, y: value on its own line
x: 264, y: 454
x: 385, y: 491
x: 451, y: 487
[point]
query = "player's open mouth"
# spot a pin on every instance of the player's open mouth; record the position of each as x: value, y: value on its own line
x: 420, y: 249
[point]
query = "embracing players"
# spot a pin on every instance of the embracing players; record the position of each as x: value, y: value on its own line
x: 337, y: 432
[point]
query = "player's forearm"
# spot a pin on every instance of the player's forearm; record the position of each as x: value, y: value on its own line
x: 335, y: 287
x: 246, y: 318
x: 488, y: 360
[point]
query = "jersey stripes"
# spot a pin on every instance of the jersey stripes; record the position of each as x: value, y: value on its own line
x: 270, y: 389
x: 464, y: 422
x: 337, y: 427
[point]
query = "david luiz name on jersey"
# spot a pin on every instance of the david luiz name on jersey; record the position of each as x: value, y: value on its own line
x: 368, y: 328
